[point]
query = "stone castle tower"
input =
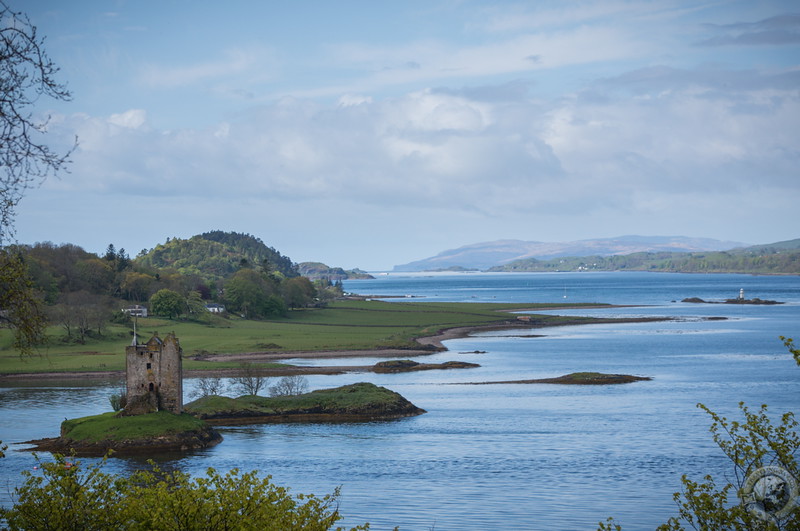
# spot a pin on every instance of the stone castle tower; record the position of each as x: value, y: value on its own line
x: 154, y: 375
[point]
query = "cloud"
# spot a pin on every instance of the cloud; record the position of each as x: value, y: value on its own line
x: 234, y: 63
x: 132, y: 119
x: 651, y: 132
x: 779, y: 30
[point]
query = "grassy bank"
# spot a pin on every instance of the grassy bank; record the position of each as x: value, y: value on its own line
x: 344, y: 325
x: 108, y: 426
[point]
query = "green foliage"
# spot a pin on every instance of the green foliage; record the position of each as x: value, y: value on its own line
x: 753, y: 445
x: 298, y: 292
x: 609, y: 525
x: 789, y: 344
x: 117, y: 401
x: 20, y: 307
x: 167, y: 303
x: 253, y: 295
x: 216, y: 255
x: 749, y: 445
x: 69, y: 496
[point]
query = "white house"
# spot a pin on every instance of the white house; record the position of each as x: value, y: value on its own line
x: 215, y: 308
x: 135, y: 311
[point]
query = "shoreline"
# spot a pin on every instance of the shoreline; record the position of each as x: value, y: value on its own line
x: 429, y: 345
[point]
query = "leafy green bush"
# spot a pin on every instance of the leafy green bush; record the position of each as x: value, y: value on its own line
x: 117, y: 401
x: 167, y: 303
x: 73, y: 496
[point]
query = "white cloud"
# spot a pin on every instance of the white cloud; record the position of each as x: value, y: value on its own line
x: 453, y: 151
x: 132, y: 119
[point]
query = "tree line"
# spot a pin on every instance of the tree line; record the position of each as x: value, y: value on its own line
x: 81, y: 292
x: 763, y: 262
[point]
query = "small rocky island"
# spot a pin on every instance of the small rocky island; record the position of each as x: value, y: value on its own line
x: 358, y: 402
x: 124, y: 435
x: 736, y: 300
x: 756, y: 300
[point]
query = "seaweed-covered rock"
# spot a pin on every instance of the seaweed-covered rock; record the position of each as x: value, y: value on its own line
x: 410, y: 365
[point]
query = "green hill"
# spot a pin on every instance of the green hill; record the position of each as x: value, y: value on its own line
x: 215, y: 255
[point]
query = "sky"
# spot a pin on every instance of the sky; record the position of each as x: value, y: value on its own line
x: 369, y: 134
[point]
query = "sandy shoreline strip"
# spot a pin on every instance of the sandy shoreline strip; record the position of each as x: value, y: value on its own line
x: 428, y: 345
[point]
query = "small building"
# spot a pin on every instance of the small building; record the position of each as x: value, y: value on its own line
x: 215, y: 308
x: 154, y: 375
x: 136, y: 310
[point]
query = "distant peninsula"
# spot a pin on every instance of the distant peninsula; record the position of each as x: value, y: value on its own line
x: 623, y: 253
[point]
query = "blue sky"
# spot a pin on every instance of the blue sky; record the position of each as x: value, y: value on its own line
x: 369, y: 134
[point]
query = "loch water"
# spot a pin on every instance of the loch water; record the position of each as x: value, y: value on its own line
x: 509, y: 456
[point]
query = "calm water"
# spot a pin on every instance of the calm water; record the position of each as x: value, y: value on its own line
x: 511, y: 456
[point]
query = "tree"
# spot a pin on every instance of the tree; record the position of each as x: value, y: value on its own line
x: 298, y: 292
x: 73, y: 496
x: 760, y: 453
x: 250, y: 380
x: 81, y: 312
x: 195, y: 307
x: 766, y: 477
x: 20, y: 306
x: 208, y: 386
x: 26, y: 74
x: 167, y: 303
x: 290, y: 386
x: 251, y: 294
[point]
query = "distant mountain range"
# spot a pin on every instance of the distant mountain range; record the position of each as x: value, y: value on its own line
x: 486, y: 255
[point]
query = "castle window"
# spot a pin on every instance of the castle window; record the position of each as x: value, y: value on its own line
x: 152, y: 387
x: 149, y: 365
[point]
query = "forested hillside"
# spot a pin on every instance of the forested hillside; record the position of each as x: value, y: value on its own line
x: 777, y: 258
x: 217, y: 254
x: 81, y: 292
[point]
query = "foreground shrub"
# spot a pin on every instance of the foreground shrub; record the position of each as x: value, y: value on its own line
x: 67, y: 496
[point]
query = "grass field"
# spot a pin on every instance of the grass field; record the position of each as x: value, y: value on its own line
x: 344, y: 325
